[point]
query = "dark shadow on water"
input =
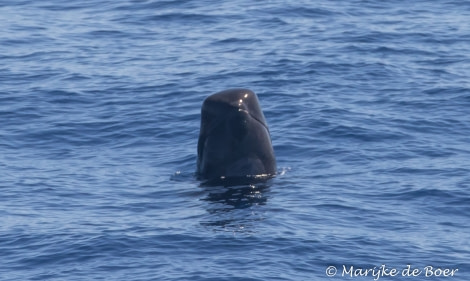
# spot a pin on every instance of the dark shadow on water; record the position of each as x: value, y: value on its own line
x: 234, y: 205
x: 238, y: 197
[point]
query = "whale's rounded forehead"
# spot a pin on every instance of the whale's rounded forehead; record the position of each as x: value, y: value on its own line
x: 234, y: 96
x: 239, y: 99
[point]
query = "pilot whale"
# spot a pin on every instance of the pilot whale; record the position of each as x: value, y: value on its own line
x: 234, y: 140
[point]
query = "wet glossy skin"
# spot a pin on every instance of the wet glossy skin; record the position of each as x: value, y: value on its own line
x: 234, y: 138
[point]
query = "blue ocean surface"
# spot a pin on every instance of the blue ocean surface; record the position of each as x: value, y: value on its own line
x: 368, y: 104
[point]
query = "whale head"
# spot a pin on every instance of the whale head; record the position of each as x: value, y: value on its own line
x: 234, y: 139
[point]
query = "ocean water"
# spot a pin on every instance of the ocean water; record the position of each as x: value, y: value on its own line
x: 368, y: 104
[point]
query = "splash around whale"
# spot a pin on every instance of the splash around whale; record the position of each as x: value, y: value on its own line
x: 234, y: 141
